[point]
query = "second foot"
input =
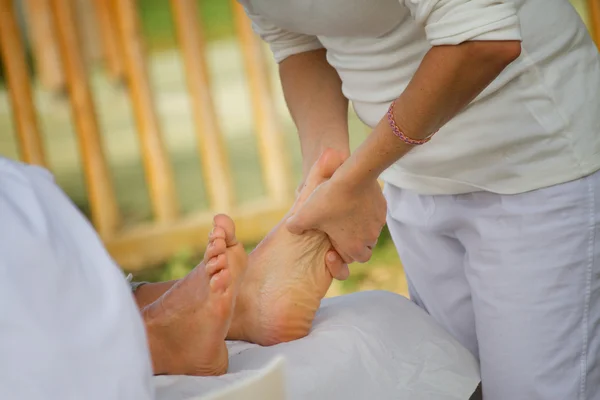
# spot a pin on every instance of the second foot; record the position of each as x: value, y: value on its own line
x: 287, y: 277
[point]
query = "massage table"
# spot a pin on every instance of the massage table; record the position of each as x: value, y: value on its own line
x: 368, y: 345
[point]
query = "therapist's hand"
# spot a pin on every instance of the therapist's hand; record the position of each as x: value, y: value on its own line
x: 351, y: 214
x: 337, y: 267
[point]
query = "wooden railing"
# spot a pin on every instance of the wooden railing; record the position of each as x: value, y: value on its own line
x: 594, y: 15
x: 56, y: 34
x: 55, y: 28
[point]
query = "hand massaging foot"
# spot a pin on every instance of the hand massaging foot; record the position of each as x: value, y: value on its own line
x: 187, y: 325
x: 287, y: 276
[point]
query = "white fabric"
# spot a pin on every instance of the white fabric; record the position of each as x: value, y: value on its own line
x: 536, y: 125
x: 516, y: 279
x: 266, y: 384
x: 69, y: 328
x: 369, y: 345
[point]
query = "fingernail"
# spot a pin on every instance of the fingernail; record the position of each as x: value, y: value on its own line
x: 331, y: 257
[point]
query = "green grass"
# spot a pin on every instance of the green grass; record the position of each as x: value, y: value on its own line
x: 158, y: 27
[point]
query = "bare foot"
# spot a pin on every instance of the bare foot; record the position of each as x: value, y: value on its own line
x: 287, y: 276
x: 187, y: 325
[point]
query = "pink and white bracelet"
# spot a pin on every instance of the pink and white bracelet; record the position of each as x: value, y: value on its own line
x: 397, y: 132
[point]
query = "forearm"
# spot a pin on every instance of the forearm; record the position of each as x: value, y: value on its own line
x: 447, y: 80
x: 313, y: 93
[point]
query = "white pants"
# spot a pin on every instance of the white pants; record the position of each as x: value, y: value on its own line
x: 69, y: 327
x: 515, y: 279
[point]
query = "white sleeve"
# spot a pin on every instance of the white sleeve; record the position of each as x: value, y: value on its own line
x: 449, y: 22
x: 282, y: 43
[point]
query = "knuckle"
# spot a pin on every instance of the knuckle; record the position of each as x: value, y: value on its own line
x: 364, y: 256
x: 356, y: 248
x: 376, y: 234
x: 373, y: 236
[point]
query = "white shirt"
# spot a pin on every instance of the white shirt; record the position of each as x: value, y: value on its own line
x: 69, y: 327
x: 536, y: 125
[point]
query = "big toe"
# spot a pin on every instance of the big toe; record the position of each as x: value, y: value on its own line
x: 323, y: 169
x: 226, y: 223
x: 329, y: 161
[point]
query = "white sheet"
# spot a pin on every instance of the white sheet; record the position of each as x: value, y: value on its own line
x: 369, y: 345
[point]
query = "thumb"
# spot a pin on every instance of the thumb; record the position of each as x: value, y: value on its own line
x: 300, y: 222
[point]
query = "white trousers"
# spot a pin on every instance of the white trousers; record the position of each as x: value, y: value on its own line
x: 514, y: 278
x: 69, y: 327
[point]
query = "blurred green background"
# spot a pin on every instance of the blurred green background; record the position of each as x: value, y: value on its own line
x: 229, y: 91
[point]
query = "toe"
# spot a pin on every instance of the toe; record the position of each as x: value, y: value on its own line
x: 221, y: 280
x: 323, y: 169
x: 223, y: 221
x: 217, y: 233
x: 216, y: 264
x: 214, y: 248
x: 329, y: 162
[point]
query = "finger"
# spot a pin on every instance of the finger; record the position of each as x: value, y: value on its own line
x: 303, y: 220
x: 363, y: 255
x: 373, y: 244
x: 296, y: 225
x: 346, y: 258
x: 338, y: 269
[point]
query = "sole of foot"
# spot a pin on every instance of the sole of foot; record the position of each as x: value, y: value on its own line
x: 287, y: 277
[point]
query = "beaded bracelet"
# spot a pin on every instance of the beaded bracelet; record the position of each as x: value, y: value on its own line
x: 399, y: 133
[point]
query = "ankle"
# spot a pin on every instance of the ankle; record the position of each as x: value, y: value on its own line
x: 157, y: 342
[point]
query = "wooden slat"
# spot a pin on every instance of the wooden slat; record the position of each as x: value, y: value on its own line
x: 270, y: 140
x: 594, y: 10
x: 217, y: 174
x: 148, y: 245
x: 158, y: 169
x: 109, y: 40
x: 42, y: 32
x: 87, y: 22
x: 105, y: 214
x: 13, y: 57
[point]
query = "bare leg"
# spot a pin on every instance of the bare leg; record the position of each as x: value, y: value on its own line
x: 286, y: 278
x: 187, y: 325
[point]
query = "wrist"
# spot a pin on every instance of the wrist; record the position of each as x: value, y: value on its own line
x: 377, y: 153
x: 351, y: 178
